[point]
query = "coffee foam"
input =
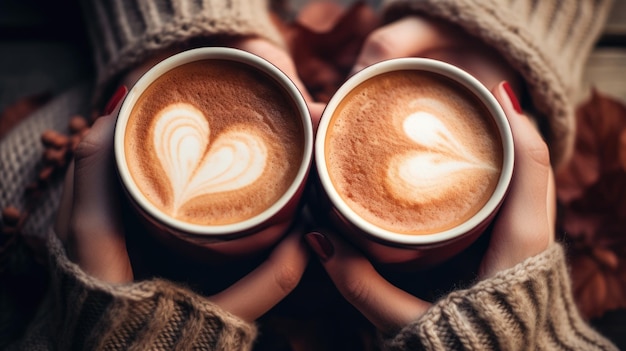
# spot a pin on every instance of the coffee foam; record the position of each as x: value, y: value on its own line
x: 397, y: 152
x: 214, y: 142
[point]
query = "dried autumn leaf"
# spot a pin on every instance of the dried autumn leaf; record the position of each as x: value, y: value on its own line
x: 597, y: 288
x: 591, y: 190
x: 20, y: 109
x: 599, y: 125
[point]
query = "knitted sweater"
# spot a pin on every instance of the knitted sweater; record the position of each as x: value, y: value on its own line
x: 527, y: 307
x: 124, y: 33
x: 84, y: 313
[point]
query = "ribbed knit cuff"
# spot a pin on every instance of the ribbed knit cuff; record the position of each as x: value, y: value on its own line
x: 127, y: 32
x: 149, y: 315
x: 529, y: 306
x: 547, y: 42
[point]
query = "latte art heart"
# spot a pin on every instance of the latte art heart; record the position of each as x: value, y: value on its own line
x: 413, y: 152
x: 194, y: 165
x: 214, y: 142
x: 424, y: 175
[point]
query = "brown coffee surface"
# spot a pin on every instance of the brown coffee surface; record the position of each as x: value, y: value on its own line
x: 214, y: 142
x: 413, y: 152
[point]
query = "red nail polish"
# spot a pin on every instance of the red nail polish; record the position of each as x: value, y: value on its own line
x: 320, y: 244
x: 512, y: 97
x: 115, y: 99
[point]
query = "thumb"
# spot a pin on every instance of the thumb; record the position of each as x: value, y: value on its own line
x: 96, y: 240
x: 386, y: 306
x: 525, y: 224
x: 93, y: 176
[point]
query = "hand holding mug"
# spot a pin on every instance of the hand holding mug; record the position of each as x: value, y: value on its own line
x: 523, y: 228
x: 213, y: 147
x: 414, y: 157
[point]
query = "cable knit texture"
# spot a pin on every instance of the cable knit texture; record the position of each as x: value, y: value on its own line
x: 149, y: 315
x: 528, y: 307
x: 547, y: 42
x: 126, y: 32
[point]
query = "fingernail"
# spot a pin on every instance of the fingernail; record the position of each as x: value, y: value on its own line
x: 320, y: 244
x: 115, y: 99
x: 512, y: 97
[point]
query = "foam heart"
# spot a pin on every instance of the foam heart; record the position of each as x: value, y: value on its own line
x: 182, y: 138
x: 425, y: 175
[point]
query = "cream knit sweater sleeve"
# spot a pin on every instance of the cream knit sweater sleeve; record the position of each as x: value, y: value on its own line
x: 124, y: 33
x: 149, y: 315
x: 528, y: 307
x: 547, y: 42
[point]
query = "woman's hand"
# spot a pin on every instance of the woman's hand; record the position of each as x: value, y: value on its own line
x: 90, y: 225
x: 523, y: 228
x: 89, y: 221
x: 418, y: 36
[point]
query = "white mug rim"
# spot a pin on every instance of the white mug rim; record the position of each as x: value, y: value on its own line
x: 212, y: 53
x: 459, y: 76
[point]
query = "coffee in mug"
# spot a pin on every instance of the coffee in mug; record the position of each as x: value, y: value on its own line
x: 412, y: 155
x: 215, y: 144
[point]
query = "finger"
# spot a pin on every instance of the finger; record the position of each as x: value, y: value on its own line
x: 410, y: 36
x: 524, y: 226
x: 440, y: 40
x: 281, y: 59
x: 66, y: 204
x: 386, y: 306
x: 93, y: 172
x: 259, y: 291
x: 96, y: 240
x: 278, y: 57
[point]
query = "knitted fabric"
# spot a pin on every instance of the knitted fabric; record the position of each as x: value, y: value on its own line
x: 21, y: 157
x: 547, y: 42
x: 124, y: 33
x: 528, y: 307
x: 88, y: 314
